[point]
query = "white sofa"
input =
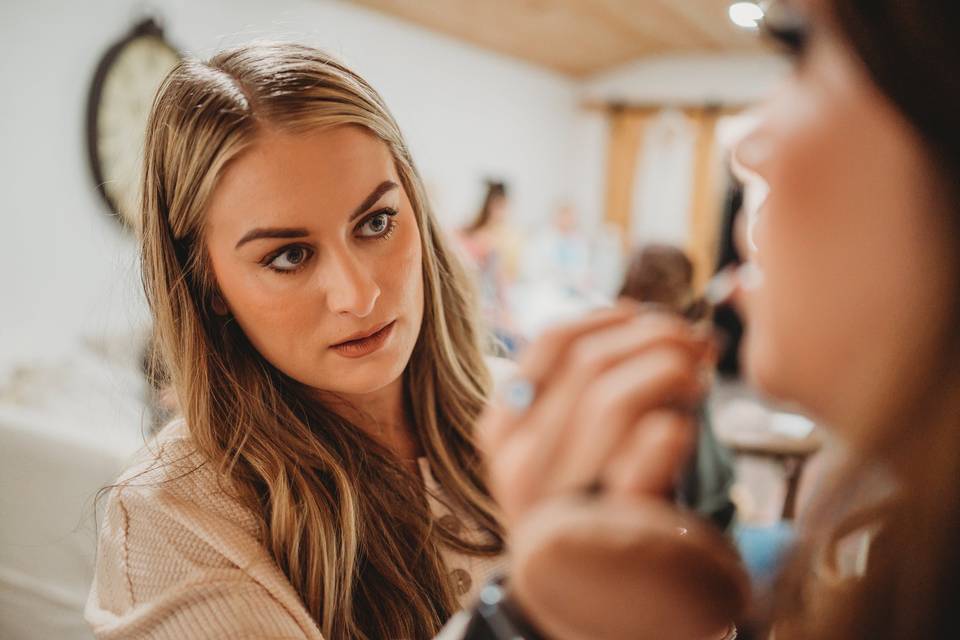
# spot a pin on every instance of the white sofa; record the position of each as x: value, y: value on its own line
x: 67, y: 429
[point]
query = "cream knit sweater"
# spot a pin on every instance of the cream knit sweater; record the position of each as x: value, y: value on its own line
x: 180, y: 560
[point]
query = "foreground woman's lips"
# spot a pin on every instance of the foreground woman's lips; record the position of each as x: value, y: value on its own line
x: 366, y: 342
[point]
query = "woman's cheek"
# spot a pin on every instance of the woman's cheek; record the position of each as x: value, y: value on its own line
x: 780, y: 311
x: 413, y: 268
x: 786, y: 235
x: 763, y: 343
x: 404, y: 271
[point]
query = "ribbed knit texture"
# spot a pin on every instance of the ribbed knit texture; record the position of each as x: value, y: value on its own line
x: 179, y: 559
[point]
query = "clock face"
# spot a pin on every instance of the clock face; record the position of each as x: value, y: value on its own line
x: 126, y: 95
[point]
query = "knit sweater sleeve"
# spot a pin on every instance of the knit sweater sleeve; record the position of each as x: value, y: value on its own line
x: 179, y: 559
x: 167, y: 569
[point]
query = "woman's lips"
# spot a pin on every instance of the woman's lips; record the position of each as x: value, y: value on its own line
x: 359, y: 347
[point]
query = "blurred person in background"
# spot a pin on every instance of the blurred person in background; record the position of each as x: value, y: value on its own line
x: 558, y: 254
x: 854, y: 320
x: 489, y: 245
x: 661, y: 276
x: 562, y: 276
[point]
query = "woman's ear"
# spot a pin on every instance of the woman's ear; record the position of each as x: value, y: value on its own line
x: 218, y: 305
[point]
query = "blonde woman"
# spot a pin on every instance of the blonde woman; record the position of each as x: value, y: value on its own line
x: 301, y: 292
x: 324, y: 480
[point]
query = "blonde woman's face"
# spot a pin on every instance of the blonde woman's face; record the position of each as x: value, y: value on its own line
x: 852, y: 241
x: 316, y: 250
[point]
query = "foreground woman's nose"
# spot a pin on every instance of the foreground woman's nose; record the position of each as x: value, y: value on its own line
x: 350, y: 286
x: 751, y: 152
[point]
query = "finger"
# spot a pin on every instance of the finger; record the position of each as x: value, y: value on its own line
x: 536, y: 363
x: 654, y: 455
x: 663, y: 377
x: 595, y: 353
x: 537, y: 438
x: 541, y: 358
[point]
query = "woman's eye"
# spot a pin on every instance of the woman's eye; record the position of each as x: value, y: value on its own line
x: 290, y: 259
x: 788, y: 28
x: 377, y: 225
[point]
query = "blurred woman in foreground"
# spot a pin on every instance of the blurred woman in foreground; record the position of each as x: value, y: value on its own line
x: 855, y: 320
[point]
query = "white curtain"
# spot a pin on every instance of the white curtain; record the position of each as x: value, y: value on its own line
x: 663, y: 185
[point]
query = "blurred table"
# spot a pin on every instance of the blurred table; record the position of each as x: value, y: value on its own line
x: 749, y: 427
x: 790, y: 452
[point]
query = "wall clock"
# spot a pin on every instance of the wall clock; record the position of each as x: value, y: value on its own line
x: 126, y: 80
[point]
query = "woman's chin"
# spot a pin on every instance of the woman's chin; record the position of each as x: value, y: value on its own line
x: 360, y: 377
x: 763, y: 368
x: 782, y: 379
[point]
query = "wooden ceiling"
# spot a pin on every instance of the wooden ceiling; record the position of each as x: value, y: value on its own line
x: 578, y: 37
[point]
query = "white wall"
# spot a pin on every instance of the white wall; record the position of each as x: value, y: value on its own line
x: 694, y: 79
x: 588, y: 166
x: 67, y: 270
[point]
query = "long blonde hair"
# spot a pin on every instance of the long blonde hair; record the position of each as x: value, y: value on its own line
x: 345, y: 521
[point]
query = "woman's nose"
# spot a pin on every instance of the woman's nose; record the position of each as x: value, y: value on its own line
x: 350, y: 287
x: 749, y: 160
x: 750, y: 154
x: 742, y: 228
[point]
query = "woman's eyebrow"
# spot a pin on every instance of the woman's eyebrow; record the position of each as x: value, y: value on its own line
x: 299, y: 232
x: 271, y: 232
x: 371, y: 199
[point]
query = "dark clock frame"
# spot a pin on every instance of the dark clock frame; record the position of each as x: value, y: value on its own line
x: 146, y: 28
